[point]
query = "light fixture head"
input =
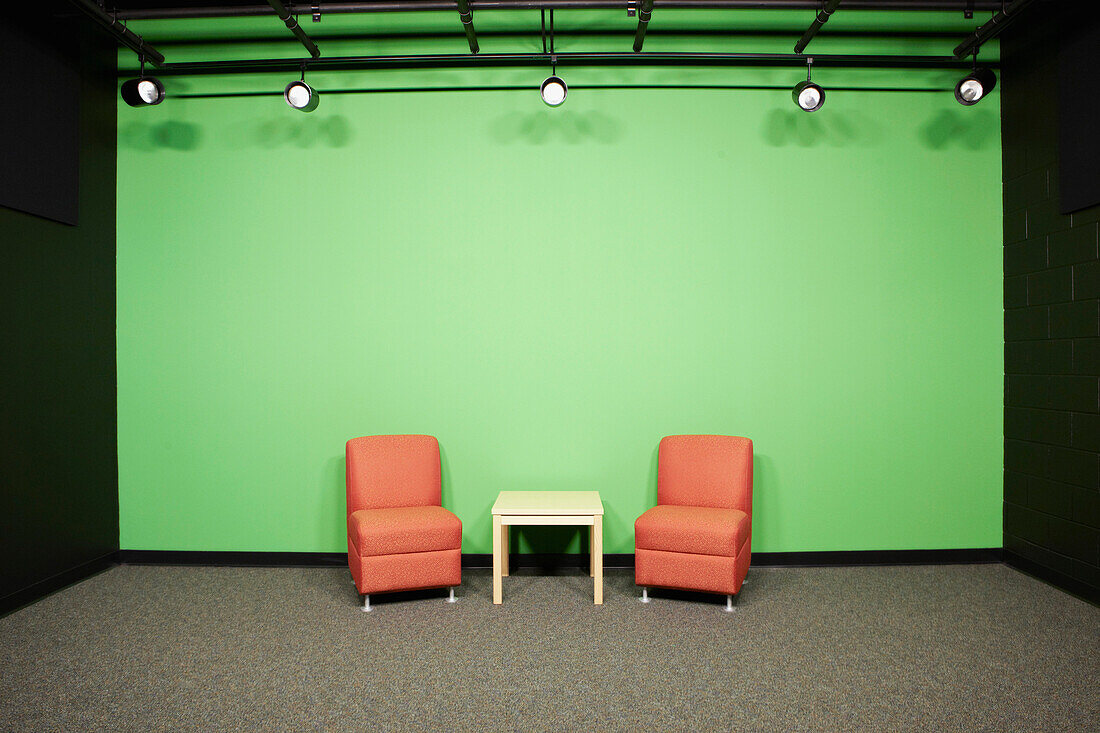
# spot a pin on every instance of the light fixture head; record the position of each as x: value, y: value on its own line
x: 142, y: 92
x: 554, y: 91
x: 975, y: 86
x: 301, y: 96
x: 808, y: 96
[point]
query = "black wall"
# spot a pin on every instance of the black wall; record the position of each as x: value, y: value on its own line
x: 1052, y: 322
x: 58, y: 447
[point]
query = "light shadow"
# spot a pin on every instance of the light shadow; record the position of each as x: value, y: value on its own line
x: 651, y: 485
x: 546, y: 125
x: 964, y: 127
x: 173, y: 135
x: 304, y: 131
x: 832, y: 128
x: 333, y: 514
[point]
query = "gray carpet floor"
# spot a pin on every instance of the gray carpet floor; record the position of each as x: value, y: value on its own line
x: 963, y: 647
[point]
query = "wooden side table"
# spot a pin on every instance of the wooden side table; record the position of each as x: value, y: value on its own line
x: 547, y: 507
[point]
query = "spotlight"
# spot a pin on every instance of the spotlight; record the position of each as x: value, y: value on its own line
x: 554, y: 91
x: 975, y: 86
x: 301, y: 96
x: 808, y: 96
x: 142, y: 92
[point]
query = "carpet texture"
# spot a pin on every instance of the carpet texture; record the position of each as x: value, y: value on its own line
x: 955, y: 647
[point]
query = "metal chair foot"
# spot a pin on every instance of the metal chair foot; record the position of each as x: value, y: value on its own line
x: 366, y: 602
x: 451, y: 597
x: 730, y: 605
x: 645, y: 595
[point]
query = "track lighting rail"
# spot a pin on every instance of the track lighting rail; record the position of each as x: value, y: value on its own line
x: 386, y: 6
x: 827, y: 9
x: 453, y: 61
x: 292, y: 23
x: 122, y: 34
x: 991, y: 28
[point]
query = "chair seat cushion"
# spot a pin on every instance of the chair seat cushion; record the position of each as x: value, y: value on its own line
x: 693, y: 529
x: 404, y: 529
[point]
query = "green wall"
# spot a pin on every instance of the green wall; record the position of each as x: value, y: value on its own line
x: 549, y: 292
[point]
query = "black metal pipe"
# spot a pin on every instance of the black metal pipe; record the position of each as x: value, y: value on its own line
x: 528, y: 87
x: 451, y: 61
x: 122, y: 34
x: 292, y: 23
x: 821, y: 19
x: 991, y: 28
x: 467, y: 19
x: 645, y: 10
x: 230, y: 11
x: 675, y: 31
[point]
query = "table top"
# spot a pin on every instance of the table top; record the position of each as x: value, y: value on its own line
x: 548, y: 502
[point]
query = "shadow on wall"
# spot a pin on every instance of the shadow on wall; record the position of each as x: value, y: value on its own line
x: 333, y: 131
x: 761, y: 466
x: 543, y: 126
x: 446, y: 493
x: 651, y: 486
x: 965, y: 128
x: 172, y: 135
x: 784, y: 127
x: 333, y: 513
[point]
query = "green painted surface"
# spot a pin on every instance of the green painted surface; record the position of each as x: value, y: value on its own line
x: 549, y: 292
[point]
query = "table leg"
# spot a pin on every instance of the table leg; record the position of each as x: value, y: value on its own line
x: 592, y: 550
x: 505, y: 546
x: 496, y: 558
x: 597, y: 557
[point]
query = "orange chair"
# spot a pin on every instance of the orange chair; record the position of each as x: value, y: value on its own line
x: 399, y: 537
x: 698, y: 535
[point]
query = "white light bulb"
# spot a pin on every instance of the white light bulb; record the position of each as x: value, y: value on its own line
x: 147, y: 90
x: 298, y: 96
x: 971, y: 90
x: 553, y: 94
x: 809, y: 98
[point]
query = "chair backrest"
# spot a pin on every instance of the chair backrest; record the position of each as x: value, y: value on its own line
x: 385, y: 471
x: 705, y: 470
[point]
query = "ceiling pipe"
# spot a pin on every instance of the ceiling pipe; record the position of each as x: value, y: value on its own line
x: 450, y: 61
x: 467, y: 18
x: 990, y: 29
x: 292, y: 23
x: 645, y: 10
x: 231, y: 11
x: 122, y: 34
x: 822, y: 18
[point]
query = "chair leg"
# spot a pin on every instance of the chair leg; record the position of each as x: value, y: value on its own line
x: 366, y: 602
x: 731, y: 602
x: 451, y: 597
x: 645, y: 595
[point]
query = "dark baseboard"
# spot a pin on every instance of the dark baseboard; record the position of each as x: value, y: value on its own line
x: 827, y: 558
x: 1061, y: 581
x: 41, y: 589
x: 233, y: 558
x: 550, y: 561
